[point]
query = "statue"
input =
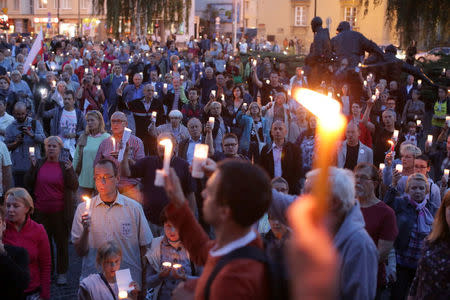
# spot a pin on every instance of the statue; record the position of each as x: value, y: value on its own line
x: 352, y: 45
x: 319, y: 54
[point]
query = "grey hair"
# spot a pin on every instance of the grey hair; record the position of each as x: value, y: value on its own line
x: 175, y: 114
x: 342, y: 183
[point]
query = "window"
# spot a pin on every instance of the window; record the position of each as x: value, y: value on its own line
x: 300, y: 16
x: 42, y: 3
x: 350, y: 16
x: 16, y: 4
x: 85, y: 4
x: 63, y: 4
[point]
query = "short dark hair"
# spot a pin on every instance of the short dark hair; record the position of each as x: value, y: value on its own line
x: 424, y: 157
x: 69, y: 92
x: 374, y: 174
x: 230, y: 135
x: 248, y: 199
x: 106, y: 161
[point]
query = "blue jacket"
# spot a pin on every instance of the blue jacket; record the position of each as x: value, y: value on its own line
x: 406, y: 216
x: 246, y: 122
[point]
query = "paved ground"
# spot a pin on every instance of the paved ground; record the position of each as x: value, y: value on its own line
x: 70, y: 290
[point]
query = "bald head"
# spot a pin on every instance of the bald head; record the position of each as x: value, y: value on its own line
x: 20, y: 111
x: 195, y: 128
x: 352, y: 134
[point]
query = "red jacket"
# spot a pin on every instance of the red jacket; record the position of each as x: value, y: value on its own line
x: 244, y: 279
x: 34, y: 239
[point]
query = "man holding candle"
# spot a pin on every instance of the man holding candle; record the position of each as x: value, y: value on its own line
x: 186, y: 147
x: 231, y: 212
x: 143, y: 110
x: 132, y: 92
x: 20, y: 135
x: 155, y: 199
x: 112, y: 216
x: 111, y: 147
x: 282, y: 159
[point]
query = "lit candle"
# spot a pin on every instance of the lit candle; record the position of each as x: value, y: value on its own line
x: 126, y: 77
x: 200, y: 156
x: 31, y: 151
x: 446, y: 172
x: 382, y: 166
x: 99, y: 87
x: 331, y: 125
x: 244, y: 106
x: 123, y: 295
x: 179, y: 65
x: 167, y: 264
x: 167, y: 143
x: 182, y: 77
x: 365, y: 83
x: 443, y: 71
x: 447, y: 119
x: 211, y: 121
x: 53, y: 83
x: 165, y: 85
x: 201, y: 74
x: 390, y: 142
x: 395, y: 135
x: 154, y: 115
x: 87, y: 200
x: 86, y: 70
x: 303, y: 72
x: 213, y: 92
x: 268, y: 81
x: 399, y: 168
x: 271, y: 98
x: 254, y: 62
x: 222, y: 97
x: 113, y: 140
x: 177, y: 266
x: 429, y: 139
x: 418, y: 122
x: 419, y: 82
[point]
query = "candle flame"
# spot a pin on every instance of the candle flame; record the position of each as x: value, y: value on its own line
x: 390, y: 142
x: 201, y: 151
x: 88, y: 201
x: 177, y: 266
x: 166, y: 142
x: 123, y: 295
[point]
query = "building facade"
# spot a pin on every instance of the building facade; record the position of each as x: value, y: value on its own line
x: 27, y: 16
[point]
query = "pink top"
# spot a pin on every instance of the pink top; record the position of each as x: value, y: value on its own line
x: 34, y: 239
x: 49, y: 188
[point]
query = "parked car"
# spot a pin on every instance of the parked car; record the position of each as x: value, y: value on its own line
x: 433, y: 55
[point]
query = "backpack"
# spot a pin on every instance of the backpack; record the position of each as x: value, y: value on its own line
x: 279, y: 285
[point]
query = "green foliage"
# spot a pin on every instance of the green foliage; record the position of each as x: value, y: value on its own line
x: 119, y: 12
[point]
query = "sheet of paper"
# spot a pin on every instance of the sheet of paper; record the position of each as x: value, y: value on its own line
x: 125, y: 137
x: 123, y: 278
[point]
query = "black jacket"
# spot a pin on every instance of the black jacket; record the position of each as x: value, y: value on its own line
x: 14, y: 272
x: 70, y: 185
x: 291, y: 165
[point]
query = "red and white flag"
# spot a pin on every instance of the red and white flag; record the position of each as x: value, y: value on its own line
x: 37, y: 49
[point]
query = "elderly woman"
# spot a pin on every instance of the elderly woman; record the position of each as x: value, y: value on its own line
x: 414, y: 219
x: 52, y: 183
x: 103, y: 285
x: 86, y: 151
x: 175, y: 127
x: 431, y: 280
x: 23, y: 232
x: 255, y: 131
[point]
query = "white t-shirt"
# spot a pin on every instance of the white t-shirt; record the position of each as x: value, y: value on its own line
x: 5, y: 160
x: 68, y: 124
x: 5, y: 121
x: 243, y: 47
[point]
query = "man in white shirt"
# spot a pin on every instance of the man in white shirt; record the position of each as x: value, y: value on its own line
x: 111, y: 216
x: 5, y: 119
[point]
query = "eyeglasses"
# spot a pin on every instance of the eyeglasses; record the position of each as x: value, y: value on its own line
x: 230, y: 145
x: 103, y: 178
x: 117, y: 121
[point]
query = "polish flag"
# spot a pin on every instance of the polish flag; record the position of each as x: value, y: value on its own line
x: 37, y: 49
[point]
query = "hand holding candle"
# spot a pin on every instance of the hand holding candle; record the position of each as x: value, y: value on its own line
x: 200, y: 156
x: 87, y: 201
x: 430, y: 140
x: 31, y: 151
x: 211, y: 121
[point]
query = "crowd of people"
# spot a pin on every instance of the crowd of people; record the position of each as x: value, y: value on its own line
x: 80, y: 136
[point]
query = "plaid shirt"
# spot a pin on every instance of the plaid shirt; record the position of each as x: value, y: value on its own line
x: 410, y: 257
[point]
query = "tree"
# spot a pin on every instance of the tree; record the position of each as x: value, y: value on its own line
x: 137, y: 12
x: 425, y: 21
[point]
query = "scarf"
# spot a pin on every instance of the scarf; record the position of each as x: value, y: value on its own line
x: 424, y: 217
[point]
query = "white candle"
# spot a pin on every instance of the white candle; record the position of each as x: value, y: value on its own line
x: 373, y: 98
x: 429, y: 139
x: 167, y: 143
x: 419, y: 82
x: 154, y: 115
x: 447, y: 119
x: 113, y: 143
x: 86, y: 70
x: 382, y: 166
x: 268, y: 81
x: 365, y: 83
x: 165, y: 85
x: 31, y: 151
x: 213, y: 92
x: 182, y: 77
x: 399, y: 168
x: 167, y: 264
x: 99, y: 87
x: 211, y: 121
x: 126, y: 77
x: 271, y: 98
x: 200, y: 156
x: 177, y: 266
x: 123, y: 295
x: 303, y: 72
x: 254, y: 62
x: 87, y: 200
x: 395, y: 135
x: 418, y: 122
x: 446, y: 172
x: 245, y: 106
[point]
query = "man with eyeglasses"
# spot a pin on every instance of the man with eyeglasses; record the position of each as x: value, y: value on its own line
x: 230, y: 146
x: 67, y: 122
x: 111, y: 217
x: 142, y: 110
x: 111, y: 149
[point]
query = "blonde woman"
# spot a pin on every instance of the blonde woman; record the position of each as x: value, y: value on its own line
x: 23, y: 232
x: 52, y: 183
x: 86, y: 151
x: 103, y: 285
